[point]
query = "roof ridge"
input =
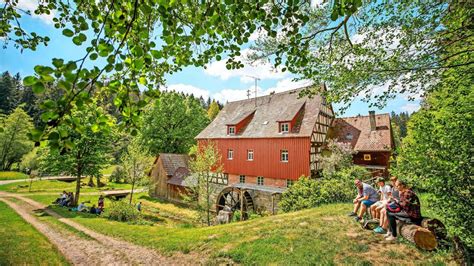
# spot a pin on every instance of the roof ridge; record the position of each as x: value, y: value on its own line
x: 356, y: 116
x: 276, y: 93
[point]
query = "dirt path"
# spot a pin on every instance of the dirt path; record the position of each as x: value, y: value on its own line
x: 101, y: 250
x: 5, y: 182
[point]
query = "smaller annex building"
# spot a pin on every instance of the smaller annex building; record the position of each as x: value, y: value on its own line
x: 168, y: 177
x: 371, y: 137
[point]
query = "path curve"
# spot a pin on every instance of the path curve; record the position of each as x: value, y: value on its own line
x: 74, y: 248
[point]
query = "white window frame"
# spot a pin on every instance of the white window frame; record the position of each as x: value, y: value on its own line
x: 219, y: 178
x: 367, y: 157
x: 282, y: 158
x: 242, y: 178
x: 284, y: 125
x: 250, y: 155
x: 230, y: 154
x: 229, y: 130
x: 260, y: 181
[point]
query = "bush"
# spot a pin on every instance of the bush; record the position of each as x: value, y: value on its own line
x: 118, y: 175
x: 310, y: 193
x: 123, y: 212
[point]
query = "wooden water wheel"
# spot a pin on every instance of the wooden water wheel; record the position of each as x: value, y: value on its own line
x: 234, y: 199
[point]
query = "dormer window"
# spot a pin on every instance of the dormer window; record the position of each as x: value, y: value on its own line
x: 284, y: 127
x: 231, y: 130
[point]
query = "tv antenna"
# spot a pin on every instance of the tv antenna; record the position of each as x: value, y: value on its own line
x: 256, y: 79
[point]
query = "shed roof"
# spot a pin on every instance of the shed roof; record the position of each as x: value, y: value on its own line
x: 270, y: 109
x: 363, y: 139
x: 171, y: 162
x: 182, y: 177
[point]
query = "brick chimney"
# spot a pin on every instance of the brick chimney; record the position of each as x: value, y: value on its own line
x: 373, y: 124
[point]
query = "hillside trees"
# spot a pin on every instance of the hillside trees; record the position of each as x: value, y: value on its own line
x: 171, y: 123
x: 87, y: 153
x: 14, y: 141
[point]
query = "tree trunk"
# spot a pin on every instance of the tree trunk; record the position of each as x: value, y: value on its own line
x: 208, y: 204
x: 78, y: 187
x: 131, y: 193
x: 91, y: 182
x: 421, y: 237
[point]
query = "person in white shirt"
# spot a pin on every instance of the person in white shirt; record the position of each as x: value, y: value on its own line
x: 385, y: 192
x: 82, y: 207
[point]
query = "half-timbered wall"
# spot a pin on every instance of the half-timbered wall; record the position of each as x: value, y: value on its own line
x: 319, y: 136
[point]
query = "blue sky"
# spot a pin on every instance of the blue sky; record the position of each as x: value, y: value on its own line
x: 215, y: 81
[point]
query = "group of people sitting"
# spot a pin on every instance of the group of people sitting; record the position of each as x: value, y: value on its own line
x: 387, y: 204
x: 66, y: 199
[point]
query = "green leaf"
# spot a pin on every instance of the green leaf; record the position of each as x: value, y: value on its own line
x: 95, y: 128
x: 36, y: 134
x: 117, y: 101
x: 53, y: 136
x: 58, y: 62
x: 29, y: 80
x: 93, y: 56
x: 68, y: 32
x: 38, y: 87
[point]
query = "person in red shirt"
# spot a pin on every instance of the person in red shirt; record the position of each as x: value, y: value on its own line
x: 410, y: 211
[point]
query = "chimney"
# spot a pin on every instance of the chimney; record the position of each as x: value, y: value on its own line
x: 373, y: 125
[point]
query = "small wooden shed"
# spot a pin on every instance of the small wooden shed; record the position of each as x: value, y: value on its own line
x: 168, y: 176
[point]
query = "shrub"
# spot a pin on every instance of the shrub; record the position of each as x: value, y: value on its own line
x: 310, y: 193
x: 123, y: 212
x: 118, y: 175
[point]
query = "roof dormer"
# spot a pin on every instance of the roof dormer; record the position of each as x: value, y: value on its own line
x: 237, y: 125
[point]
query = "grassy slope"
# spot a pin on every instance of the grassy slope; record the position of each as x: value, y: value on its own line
x: 10, y: 175
x: 55, y: 186
x: 323, y: 235
x: 20, y: 243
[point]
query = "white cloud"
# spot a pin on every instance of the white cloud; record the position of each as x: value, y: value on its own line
x: 410, y: 107
x: 261, y: 70
x: 189, y: 89
x: 31, y: 5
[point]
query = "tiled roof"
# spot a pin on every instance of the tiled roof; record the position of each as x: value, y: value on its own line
x: 171, y: 162
x: 269, y: 110
x: 363, y: 139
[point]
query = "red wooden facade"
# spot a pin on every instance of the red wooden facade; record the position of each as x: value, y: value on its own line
x: 267, y: 161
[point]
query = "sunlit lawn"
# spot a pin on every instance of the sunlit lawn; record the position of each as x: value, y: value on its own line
x: 22, y: 244
x: 323, y: 235
x: 11, y: 175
